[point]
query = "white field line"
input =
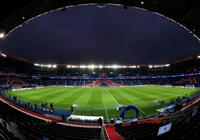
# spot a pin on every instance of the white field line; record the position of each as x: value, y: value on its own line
x: 133, y: 103
x: 106, y: 111
x: 113, y: 97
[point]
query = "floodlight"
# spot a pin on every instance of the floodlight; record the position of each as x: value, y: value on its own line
x: 142, y: 2
x: 36, y: 64
x: 83, y: 66
x: 92, y: 66
x: 49, y: 66
x: 3, y: 55
x: 2, y: 35
x: 109, y: 66
x: 133, y: 66
x: 68, y: 66
x: 115, y: 66
x: 54, y: 66
x: 100, y: 66
x: 150, y: 66
x: 167, y: 65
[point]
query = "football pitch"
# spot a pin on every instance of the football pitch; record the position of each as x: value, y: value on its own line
x: 103, y: 101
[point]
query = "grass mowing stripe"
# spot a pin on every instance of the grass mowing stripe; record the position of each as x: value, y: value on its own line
x: 40, y: 99
x: 27, y: 93
x: 139, y: 95
x: 95, y: 104
x: 108, y: 91
x: 63, y: 96
x: 147, y: 106
x: 84, y: 98
x: 121, y: 99
x: 95, y: 98
x: 131, y: 102
x: 98, y: 101
x: 73, y: 97
x: 130, y: 96
x: 110, y: 103
x: 47, y: 95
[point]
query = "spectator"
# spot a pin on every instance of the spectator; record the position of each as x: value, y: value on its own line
x: 51, y: 108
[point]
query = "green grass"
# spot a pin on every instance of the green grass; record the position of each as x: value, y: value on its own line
x: 102, y: 101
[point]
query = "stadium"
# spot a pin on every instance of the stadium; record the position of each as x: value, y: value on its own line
x: 56, y: 101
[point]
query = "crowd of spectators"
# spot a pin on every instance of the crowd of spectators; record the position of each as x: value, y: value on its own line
x: 47, y: 107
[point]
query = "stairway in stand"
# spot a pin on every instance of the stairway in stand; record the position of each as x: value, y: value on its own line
x: 112, y: 134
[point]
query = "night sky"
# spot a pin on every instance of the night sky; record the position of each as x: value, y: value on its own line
x: 110, y: 35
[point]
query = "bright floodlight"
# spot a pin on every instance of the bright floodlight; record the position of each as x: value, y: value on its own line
x: 150, y: 66
x: 54, y: 66
x: 133, y: 66
x: 101, y: 66
x: 69, y: 66
x: 114, y: 66
x: 92, y: 66
x: 2, y: 35
x: 142, y: 2
x: 49, y: 66
x: 83, y: 66
x: 198, y: 56
x: 3, y: 55
x: 36, y: 64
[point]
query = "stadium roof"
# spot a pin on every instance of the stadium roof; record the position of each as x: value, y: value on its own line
x: 185, y: 12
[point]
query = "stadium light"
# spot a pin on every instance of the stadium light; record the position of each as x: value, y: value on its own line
x: 92, y: 66
x: 108, y: 66
x: 69, y: 66
x: 198, y: 56
x: 100, y: 66
x: 45, y: 65
x: 3, y: 55
x: 142, y: 2
x: 36, y: 64
x: 54, y: 66
x: 49, y: 66
x: 115, y: 66
x: 83, y: 66
x: 134, y: 66
x: 150, y: 66
x: 2, y: 35
x: 124, y: 66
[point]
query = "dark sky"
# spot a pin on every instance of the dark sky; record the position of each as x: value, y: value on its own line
x: 87, y: 34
